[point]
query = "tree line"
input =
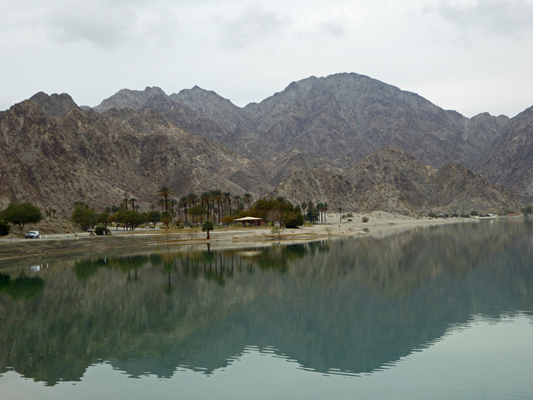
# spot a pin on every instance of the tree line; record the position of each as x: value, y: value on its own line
x: 216, y: 206
x: 220, y: 208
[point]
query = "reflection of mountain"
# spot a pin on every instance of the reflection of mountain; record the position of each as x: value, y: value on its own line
x: 353, y: 305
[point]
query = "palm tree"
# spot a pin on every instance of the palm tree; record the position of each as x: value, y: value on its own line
x: 183, y: 204
x: 132, y: 202
x: 227, y: 196
x: 162, y: 204
x: 205, y: 198
x: 192, y: 202
x: 303, y: 206
x: 173, y: 203
x: 217, y: 197
x: 247, y: 199
x: 237, y: 199
x: 323, y: 208
x: 125, y: 201
x: 165, y: 192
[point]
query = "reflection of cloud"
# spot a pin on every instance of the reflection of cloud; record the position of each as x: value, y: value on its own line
x: 496, y: 16
x: 253, y: 25
x: 110, y: 26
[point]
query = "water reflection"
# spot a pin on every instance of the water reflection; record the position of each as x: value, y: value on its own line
x: 350, y: 306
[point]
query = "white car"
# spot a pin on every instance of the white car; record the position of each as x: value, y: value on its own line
x: 32, y: 235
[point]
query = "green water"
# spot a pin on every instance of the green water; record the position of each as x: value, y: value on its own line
x: 436, y: 313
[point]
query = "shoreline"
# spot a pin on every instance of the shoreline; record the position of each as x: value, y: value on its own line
x: 380, y: 224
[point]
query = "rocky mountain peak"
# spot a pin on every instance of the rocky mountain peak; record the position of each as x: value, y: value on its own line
x: 126, y: 98
x: 55, y: 105
x: 206, y: 102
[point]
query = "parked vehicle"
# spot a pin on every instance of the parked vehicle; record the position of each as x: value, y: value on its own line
x: 32, y: 235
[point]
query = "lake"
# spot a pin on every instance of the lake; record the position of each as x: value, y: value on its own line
x: 433, y: 313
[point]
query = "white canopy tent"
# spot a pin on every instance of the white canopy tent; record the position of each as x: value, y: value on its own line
x: 248, y: 219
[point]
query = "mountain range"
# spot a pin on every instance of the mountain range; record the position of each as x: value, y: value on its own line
x: 345, y: 139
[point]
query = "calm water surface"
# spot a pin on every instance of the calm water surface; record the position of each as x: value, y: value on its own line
x: 434, y: 313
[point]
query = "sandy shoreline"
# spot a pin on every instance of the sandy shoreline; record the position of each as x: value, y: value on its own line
x: 380, y: 224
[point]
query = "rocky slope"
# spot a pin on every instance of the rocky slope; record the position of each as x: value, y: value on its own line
x: 346, y: 139
x: 392, y: 180
x: 319, y: 186
x: 354, y: 115
x: 510, y: 161
x: 388, y: 174
x: 100, y: 159
x: 342, y: 115
x: 454, y: 187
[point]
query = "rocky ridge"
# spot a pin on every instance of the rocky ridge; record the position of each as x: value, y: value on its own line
x: 100, y: 159
x: 346, y: 139
x: 391, y: 180
x: 342, y: 115
x: 510, y: 160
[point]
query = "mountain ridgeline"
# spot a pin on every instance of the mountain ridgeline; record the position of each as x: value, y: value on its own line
x: 345, y: 139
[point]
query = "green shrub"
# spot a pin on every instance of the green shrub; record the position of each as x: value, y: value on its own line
x: 432, y: 215
x: 83, y: 216
x: 4, y: 228
x: 100, y: 230
x: 293, y: 220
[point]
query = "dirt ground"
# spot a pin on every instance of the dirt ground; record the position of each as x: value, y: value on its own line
x: 61, y: 237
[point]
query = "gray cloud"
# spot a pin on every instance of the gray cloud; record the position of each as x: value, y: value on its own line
x: 494, y: 16
x: 111, y: 26
x: 333, y: 27
x: 252, y: 26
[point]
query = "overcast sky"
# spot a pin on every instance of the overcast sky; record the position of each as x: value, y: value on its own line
x: 470, y: 56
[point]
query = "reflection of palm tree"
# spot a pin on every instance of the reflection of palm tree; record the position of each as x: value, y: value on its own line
x: 165, y: 192
x: 168, y: 265
x: 129, y: 263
